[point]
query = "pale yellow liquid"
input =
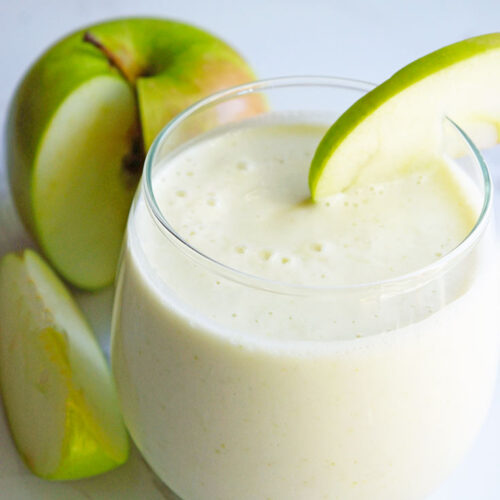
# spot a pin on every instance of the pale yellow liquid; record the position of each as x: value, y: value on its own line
x: 247, y: 204
x: 238, y: 387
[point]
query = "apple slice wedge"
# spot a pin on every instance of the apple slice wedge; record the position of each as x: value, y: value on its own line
x: 397, y: 126
x: 81, y: 193
x: 58, y: 393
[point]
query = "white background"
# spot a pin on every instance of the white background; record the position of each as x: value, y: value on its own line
x: 368, y: 40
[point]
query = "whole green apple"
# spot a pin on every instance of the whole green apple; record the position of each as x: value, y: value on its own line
x: 82, y: 119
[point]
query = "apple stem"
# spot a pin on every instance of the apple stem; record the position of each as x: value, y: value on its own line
x: 110, y: 56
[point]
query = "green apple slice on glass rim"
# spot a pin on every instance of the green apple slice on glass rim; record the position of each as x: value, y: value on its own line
x: 397, y: 126
x: 55, y: 383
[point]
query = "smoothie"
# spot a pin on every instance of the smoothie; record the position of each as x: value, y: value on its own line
x: 290, y: 361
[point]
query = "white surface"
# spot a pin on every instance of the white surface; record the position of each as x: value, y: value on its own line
x: 359, y: 39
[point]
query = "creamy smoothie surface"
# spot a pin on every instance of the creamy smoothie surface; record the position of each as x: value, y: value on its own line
x: 242, y: 198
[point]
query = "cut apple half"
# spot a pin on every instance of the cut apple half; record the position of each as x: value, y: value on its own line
x: 397, y: 126
x: 58, y: 393
x: 83, y: 118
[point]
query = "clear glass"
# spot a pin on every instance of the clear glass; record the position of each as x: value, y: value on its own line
x: 222, y: 414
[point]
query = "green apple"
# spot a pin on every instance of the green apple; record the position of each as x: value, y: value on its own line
x: 80, y: 124
x: 399, y: 125
x: 56, y: 386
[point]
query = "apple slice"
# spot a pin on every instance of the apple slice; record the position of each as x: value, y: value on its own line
x: 57, y: 389
x: 398, y: 126
x: 83, y: 118
x: 81, y: 193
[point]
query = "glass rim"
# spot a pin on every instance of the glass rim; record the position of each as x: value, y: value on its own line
x: 262, y: 282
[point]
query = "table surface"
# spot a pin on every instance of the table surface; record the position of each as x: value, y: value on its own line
x: 367, y: 40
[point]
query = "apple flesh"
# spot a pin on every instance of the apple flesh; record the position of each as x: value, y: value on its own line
x: 84, y: 116
x: 398, y: 126
x: 56, y: 386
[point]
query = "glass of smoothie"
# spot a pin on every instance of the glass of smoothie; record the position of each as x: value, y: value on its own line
x: 268, y: 347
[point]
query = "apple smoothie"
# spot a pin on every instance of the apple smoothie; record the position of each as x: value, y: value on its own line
x: 268, y: 347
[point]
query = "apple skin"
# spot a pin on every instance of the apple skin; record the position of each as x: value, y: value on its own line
x: 344, y: 174
x: 163, y: 66
x: 59, y: 396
